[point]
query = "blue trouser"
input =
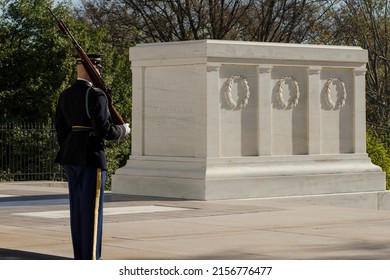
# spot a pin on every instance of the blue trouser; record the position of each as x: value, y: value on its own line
x: 86, y: 195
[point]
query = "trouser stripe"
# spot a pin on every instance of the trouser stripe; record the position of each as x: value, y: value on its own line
x: 96, y: 216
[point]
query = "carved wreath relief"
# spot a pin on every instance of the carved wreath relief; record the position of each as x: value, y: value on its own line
x: 342, y: 96
x: 242, y: 100
x: 295, y: 94
x: 244, y: 93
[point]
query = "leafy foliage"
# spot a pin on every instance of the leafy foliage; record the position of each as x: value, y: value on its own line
x: 379, y: 154
x: 117, y: 156
x: 33, y: 61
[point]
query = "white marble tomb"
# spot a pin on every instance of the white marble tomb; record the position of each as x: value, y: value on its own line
x: 228, y: 119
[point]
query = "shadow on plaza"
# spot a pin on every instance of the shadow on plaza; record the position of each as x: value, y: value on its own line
x: 10, y: 254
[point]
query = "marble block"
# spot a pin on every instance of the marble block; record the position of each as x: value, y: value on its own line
x: 227, y: 119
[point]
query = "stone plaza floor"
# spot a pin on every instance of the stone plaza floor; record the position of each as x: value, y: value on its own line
x: 34, y: 225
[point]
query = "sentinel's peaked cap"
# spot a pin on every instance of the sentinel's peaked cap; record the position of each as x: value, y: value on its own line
x: 96, y: 59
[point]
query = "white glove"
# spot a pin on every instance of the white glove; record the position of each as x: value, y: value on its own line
x: 125, y: 130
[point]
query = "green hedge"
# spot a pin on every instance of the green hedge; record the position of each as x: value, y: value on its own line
x: 379, y: 155
x: 117, y: 155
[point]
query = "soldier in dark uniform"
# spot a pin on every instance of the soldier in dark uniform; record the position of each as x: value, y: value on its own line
x: 82, y: 123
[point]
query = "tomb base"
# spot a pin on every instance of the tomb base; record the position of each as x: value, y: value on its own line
x: 248, y: 177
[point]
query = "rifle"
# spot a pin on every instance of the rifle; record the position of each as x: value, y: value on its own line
x: 92, y: 72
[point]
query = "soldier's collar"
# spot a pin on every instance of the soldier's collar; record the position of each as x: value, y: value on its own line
x: 88, y: 82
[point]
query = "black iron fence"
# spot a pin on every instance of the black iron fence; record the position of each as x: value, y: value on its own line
x: 27, y: 153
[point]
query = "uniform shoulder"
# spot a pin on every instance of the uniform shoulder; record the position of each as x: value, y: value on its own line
x: 65, y: 91
x: 97, y: 93
x: 96, y: 90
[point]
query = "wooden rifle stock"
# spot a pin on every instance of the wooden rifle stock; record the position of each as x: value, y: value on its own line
x: 91, y: 70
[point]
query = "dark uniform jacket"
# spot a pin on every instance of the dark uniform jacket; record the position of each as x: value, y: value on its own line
x: 82, y: 123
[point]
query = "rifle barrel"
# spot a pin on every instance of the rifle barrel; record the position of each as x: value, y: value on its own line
x: 92, y: 72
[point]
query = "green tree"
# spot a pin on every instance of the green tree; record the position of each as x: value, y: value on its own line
x: 33, y: 61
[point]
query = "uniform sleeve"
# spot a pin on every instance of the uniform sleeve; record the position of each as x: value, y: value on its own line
x: 61, y: 127
x: 100, y: 118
